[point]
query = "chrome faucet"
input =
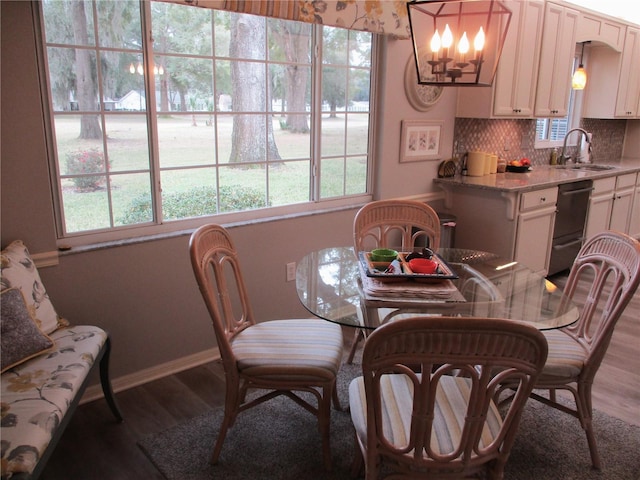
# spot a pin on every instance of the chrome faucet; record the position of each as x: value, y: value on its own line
x: 562, y: 158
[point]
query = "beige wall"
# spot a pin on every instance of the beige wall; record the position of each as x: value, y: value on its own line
x: 144, y: 294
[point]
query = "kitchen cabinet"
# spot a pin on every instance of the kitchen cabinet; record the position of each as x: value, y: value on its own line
x: 629, y: 87
x: 613, y: 85
x: 534, y: 234
x: 518, y: 226
x: 603, y: 30
x: 622, y: 201
x: 556, y: 61
x: 600, y: 206
x: 513, y: 91
x: 634, y: 222
x: 612, y: 205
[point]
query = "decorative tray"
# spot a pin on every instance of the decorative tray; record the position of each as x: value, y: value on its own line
x: 514, y: 168
x: 378, y: 270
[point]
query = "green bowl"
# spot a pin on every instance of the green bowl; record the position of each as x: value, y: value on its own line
x: 383, y: 255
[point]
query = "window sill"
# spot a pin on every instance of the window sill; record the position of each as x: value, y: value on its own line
x: 75, y: 245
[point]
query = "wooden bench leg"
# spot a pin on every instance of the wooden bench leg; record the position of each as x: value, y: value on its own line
x: 106, y: 381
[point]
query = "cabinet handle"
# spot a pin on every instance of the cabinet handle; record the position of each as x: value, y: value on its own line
x: 543, y: 199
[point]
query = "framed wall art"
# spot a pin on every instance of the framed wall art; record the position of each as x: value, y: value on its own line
x: 420, y: 140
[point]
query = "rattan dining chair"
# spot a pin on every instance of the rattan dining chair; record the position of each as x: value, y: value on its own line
x: 396, y: 224
x: 402, y: 224
x: 606, y: 273
x: 424, y: 405
x: 281, y: 357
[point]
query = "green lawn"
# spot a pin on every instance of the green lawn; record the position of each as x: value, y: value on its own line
x: 187, y: 158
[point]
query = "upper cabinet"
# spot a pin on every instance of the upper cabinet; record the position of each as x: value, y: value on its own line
x: 613, y: 84
x: 595, y: 28
x: 514, y: 87
x: 533, y: 78
x: 556, y: 61
x: 629, y: 87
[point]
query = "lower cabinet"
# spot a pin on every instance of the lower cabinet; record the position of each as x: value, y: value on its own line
x: 622, y: 201
x: 534, y: 235
x: 634, y: 223
x: 517, y: 226
x: 600, y: 206
x: 614, y: 206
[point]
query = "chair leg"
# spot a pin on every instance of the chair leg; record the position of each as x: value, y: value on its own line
x: 234, y: 396
x: 583, y: 405
x: 324, y: 422
x: 226, y: 423
x: 357, y: 335
x: 336, y: 399
x: 105, y: 381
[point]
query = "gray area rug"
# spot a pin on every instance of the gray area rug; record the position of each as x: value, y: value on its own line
x: 279, y: 440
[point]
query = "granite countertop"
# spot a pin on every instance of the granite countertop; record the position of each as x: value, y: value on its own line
x: 540, y: 176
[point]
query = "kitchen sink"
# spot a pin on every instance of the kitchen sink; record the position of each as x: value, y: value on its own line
x: 587, y: 166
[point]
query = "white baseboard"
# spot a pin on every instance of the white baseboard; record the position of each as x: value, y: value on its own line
x: 94, y: 392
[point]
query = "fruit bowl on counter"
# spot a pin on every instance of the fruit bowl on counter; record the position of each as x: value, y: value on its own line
x: 519, y: 166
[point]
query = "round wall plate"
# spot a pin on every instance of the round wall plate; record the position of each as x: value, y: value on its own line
x: 421, y: 97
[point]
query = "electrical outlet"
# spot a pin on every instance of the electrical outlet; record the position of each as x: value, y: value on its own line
x: 291, y: 271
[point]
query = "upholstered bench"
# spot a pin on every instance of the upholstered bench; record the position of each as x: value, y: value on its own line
x: 46, y: 365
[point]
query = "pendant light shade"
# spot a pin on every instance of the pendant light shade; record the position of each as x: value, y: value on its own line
x: 457, y: 42
x: 579, y: 79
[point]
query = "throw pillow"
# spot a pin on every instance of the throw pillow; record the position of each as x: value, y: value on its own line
x: 20, y: 337
x: 19, y: 271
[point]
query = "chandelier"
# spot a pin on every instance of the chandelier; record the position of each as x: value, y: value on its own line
x: 457, y: 42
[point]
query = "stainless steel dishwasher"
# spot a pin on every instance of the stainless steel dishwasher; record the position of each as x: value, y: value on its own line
x: 568, y: 231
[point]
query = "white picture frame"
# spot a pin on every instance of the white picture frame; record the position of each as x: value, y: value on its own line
x: 420, y: 140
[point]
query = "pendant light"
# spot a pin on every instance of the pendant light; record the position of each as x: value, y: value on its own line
x: 457, y: 42
x: 579, y: 79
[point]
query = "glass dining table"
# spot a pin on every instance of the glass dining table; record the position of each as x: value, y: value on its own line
x: 332, y: 284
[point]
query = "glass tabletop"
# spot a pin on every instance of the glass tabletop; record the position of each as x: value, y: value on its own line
x: 332, y: 284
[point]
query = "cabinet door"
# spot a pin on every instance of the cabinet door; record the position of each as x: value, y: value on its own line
x: 516, y: 77
x: 634, y: 223
x: 600, y: 208
x: 621, y: 212
x: 556, y: 61
x: 629, y: 87
x: 534, y: 238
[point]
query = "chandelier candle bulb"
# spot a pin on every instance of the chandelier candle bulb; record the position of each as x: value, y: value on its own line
x: 463, y: 47
x: 478, y: 43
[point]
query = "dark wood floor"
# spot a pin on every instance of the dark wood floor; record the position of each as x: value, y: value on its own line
x: 95, y: 447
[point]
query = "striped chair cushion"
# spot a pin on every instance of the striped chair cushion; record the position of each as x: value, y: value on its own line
x: 277, y: 346
x: 397, y: 401
x: 566, y: 356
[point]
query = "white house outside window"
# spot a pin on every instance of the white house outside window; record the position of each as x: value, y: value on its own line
x: 163, y: 113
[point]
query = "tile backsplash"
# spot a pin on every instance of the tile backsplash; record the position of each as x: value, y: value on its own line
x: 512, y: 139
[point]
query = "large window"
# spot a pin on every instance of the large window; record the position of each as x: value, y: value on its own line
x: 163, y: 114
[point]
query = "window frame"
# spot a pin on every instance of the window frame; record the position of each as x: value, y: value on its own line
x: 140, y: 232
